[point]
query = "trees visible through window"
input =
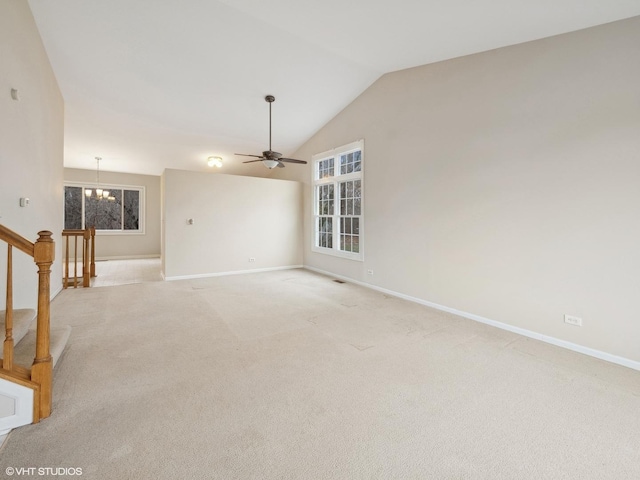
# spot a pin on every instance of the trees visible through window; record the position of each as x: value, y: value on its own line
x: 337, y: 178
x: 122, y: 212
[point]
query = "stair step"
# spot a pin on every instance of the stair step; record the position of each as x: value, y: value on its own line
x: 22, y: 320
x: 25, y: 352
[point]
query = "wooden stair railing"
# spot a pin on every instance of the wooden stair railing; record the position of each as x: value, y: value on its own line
x: 88, y: 240
x: 39, y: 377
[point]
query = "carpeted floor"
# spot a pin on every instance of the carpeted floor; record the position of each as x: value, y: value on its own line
x: 289, y: 375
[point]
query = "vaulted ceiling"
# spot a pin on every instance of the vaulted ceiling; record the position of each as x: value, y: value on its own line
x: 154, y: 84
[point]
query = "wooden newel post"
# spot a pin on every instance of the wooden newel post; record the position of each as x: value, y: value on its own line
x: 86, y: 246
x: 42, y: 369
x: 93, y: 251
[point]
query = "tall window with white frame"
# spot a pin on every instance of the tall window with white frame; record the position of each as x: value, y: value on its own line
x: 338, y: 201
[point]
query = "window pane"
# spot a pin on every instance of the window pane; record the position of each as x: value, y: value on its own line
x: 355, y: 246
x: 73, y: 208
x: 131, y: 209
x: 356, y: 207
x: 325, y: 168
x: 324, y: 232
x: 356, y: 225
x: 351, y: 162
x: 102, y: 213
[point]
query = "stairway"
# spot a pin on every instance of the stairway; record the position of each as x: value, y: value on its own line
x: 24, y: 337
x: 26, y: 366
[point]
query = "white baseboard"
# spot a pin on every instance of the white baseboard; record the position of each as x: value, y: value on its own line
x: 235, y: 272
x: 126, y: 257
x: 55, y: 293
x: 625, y: 362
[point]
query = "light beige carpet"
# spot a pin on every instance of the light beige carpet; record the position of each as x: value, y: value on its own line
x: 289, y: 375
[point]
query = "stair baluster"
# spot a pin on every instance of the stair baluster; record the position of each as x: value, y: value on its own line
x: 7, y: 360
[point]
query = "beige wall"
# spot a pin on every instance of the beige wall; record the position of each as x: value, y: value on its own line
x: 235, y: 218
x: 31, y: 148
x: 505, y: 184
x: 127, y: 245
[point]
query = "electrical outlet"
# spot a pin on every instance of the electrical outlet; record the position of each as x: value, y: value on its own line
x: 252, y: 259
x: 571, y: 320
x: 369, y: 272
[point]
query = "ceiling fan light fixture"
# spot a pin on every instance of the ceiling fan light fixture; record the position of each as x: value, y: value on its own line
x: 270, y: 163
x: 269, y: 158
x: 214, y: 161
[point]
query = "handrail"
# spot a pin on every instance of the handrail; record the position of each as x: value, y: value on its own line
x: 18, y: 241
x: 41, y: 373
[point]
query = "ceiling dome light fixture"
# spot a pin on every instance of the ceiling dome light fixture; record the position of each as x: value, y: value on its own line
x: 214, y: 161
x: 270, y: 163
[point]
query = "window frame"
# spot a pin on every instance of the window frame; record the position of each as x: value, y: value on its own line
x: 336, y: 180
x: 112, y: 186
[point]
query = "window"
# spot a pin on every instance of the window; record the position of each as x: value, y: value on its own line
x: 337, y: 202
x: 122, y: 213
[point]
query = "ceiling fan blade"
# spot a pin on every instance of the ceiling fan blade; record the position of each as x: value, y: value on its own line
x: 251, y: 161
x: 280, y: 165
x: 245, y: 155
x: 291, y: 160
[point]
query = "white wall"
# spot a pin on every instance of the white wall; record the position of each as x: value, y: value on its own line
x: 31, y: 146
x: 127, y: 245
x: 235, y: 218
x: 505, y: 184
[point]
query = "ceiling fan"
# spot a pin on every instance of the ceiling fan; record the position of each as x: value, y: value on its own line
x: 270, y: 158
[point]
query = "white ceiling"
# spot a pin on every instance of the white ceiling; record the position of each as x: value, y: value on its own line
x: 154, y: 84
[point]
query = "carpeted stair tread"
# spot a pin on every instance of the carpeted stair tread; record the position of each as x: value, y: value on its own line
x: 26, y: 350
x: 22, y: 320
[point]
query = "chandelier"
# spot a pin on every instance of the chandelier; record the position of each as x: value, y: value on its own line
x: 101, y: 194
